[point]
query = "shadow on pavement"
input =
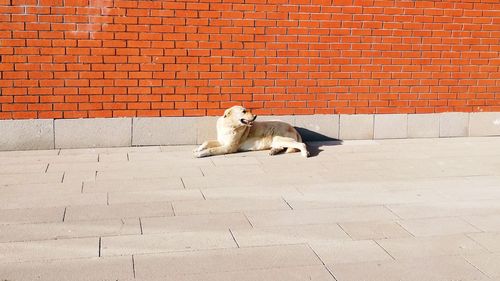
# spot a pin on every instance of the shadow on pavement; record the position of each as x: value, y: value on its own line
x: 315, y: 140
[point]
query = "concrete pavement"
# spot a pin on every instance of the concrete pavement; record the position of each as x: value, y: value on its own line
x: 409, y: 209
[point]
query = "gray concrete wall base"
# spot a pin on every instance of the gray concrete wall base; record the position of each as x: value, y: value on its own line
x: 114, y: 132
x: 26, y: 134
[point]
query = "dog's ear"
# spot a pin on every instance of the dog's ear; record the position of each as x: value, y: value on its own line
x: 227, y: 112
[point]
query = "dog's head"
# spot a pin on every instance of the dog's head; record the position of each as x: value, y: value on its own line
x: 239, y: 116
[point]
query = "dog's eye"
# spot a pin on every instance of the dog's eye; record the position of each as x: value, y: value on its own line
x: 244, y: 111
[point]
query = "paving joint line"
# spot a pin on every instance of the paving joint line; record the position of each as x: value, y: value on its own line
x: 393, y: 258
x: 319, y: 258
x: 64, y: 214
x: 100, y: 238
x: 133, y: 266
x: 234, y: 239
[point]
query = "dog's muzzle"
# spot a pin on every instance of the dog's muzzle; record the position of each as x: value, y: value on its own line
x: 248, y: 122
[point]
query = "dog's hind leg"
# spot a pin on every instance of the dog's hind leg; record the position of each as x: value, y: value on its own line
x: 276, y: 150
x: 290, y: 143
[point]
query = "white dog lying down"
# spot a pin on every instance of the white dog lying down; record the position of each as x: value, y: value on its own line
x: 238, y: 131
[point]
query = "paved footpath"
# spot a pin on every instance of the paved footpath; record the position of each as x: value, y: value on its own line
x: 423, y: 210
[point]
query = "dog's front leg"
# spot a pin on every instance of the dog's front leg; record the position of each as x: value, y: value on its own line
x: 220, y: 150
x: 207, y: 144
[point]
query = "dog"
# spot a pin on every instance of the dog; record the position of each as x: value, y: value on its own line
x: 237, y: 130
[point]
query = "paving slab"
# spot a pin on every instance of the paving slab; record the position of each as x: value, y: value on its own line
x: 31, y: 215
x: 153, y: 196
x: 118, y: 211
x: 486, y: 223
x: 438, y: 226
x: 61, y: 230
x: 408, y: 248
x: 319, y: 233
x: 47, y: 200
x: 489, y: 240
x: 26, y: 178
x: 109, y: 268
x: 374, y: 230
x: 300, y: 273
x: 319, y: 216
x: 338, y: 252
x: 177, y: 264
x: 49, y: 250
x: 194, y: 223
x: 228, y: 205
x: 489, y: 264
x: 429, y: 269
x: 167, y: 242
x: 133, y: 185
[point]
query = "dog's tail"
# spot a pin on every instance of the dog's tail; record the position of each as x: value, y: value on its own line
x: 299, y: 137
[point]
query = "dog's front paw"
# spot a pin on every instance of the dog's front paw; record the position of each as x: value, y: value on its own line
x: 200, y: 154
x: 198, y: 149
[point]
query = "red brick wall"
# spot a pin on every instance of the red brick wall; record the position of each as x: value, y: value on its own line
x: 104, y: 58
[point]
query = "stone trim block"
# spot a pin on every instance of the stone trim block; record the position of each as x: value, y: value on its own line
x: 454, y: 124
x: 164, y: 130
x: 484, y: 124
x: 356, y: 127
x: 390, y: 126
x: 26, y: 134
x: 423, y: 125
x: 318, y: 127
x: 98, y: 132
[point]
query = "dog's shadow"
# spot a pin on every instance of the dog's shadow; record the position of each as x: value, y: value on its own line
x: 315, y: 141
